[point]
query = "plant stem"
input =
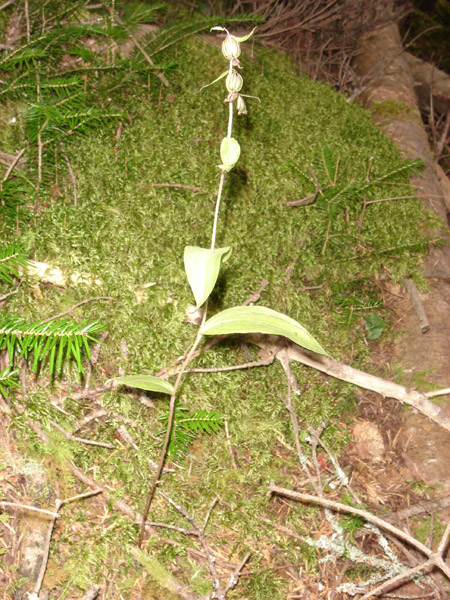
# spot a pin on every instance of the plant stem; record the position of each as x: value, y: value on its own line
x: 222, y: 180
x: 216, y: 213
x: 172, y: 405
x: 189, y: 356
x: 230, y: 119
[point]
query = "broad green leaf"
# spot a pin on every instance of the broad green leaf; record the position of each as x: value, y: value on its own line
x: 259, y: 319
x: 202, y: 266
x: 146, y: 382
x: 374, y: 326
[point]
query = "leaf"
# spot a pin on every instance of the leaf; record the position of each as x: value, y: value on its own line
x: 246, y: 37
x: 374, y: 326
x: 202, y: 266
x: 259, y: 319
x: 146, y: 382
x: 215, y: 80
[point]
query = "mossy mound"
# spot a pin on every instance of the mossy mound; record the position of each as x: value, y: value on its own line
x: 128, y: 233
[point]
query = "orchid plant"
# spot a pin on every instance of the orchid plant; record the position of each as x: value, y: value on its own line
x: 202, y: 267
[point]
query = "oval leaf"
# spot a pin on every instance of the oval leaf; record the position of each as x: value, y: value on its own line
x: 259, y: 319
x: 146, y: 382
x: 202, y: 266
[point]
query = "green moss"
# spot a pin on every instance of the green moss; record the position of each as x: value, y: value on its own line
x: 391, y: 108
x: 127, y: 233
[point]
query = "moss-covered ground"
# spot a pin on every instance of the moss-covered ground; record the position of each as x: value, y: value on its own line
x: 321, y: 261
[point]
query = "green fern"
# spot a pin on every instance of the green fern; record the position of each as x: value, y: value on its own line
x: 188, y: 426
x: 181, y: 29
x: 8, y: 379
x: 12, y: 259
x: 51, y: 342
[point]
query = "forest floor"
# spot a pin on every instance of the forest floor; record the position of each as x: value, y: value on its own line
x: 341, y: 443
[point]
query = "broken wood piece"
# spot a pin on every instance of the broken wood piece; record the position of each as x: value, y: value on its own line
x: 418, y: 307
x: 388, y: 389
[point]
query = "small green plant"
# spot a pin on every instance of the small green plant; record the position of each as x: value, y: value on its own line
x: 186, y: 427
x: 49, y: 342
x: 202, y: 266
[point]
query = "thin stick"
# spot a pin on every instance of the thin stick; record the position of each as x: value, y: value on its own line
x: 191, y: 188
x: 89, y: 393
x: 74, y: 438
x: 337, y: 506
x: 5, y: 296
x: 294, y: 421
x: 13, y: 164
x: 234, y: 579
x: 7, y: 3
x: 3, y: 504
x: 58, y: 504
x: 263, y: 362
x: 400, y: 578
x: 369, y: 382
x: 208, y: 514
x: 418, y: 307
x: 141, y: 49
x: 218, y: 593
x: 72, y: 308
x: 443, y: 392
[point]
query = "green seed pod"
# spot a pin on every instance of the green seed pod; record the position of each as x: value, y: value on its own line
x: 229, y: 153
x: 231, y: 47
x: 241, y: 106
x: 234, y: 81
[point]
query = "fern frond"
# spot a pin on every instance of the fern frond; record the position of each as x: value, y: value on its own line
x: 169, y: 35
x: 8, y: 379
x: 11, y: 258
x: 202, y: 421
x: 52, y: 342
x: 139, y: 12
x: 187, y: 427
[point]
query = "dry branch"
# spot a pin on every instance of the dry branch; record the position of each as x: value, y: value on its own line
x: 413, y: 292
x: 435, y: 559
x: 387, y: 389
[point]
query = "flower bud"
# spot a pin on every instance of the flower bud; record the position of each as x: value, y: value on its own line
x: 231, y: 47
x: 229, y: 153
x: 241, y: 106
x: 234, y: 81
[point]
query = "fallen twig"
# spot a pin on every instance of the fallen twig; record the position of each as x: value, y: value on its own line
x: 435, y: 393
x: 58, y: 503
x: 3, y: 504
x: 434, y: 558
x: 95, y: 353
x: 74, y: 438
x: 12, y: 165
x: 218, y: 592
x: 418, y: 307
x: 199, y: 532
x: 5, y: 296
x: 387, y: 389
x: 191, y: 188
x: 72, y: 308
